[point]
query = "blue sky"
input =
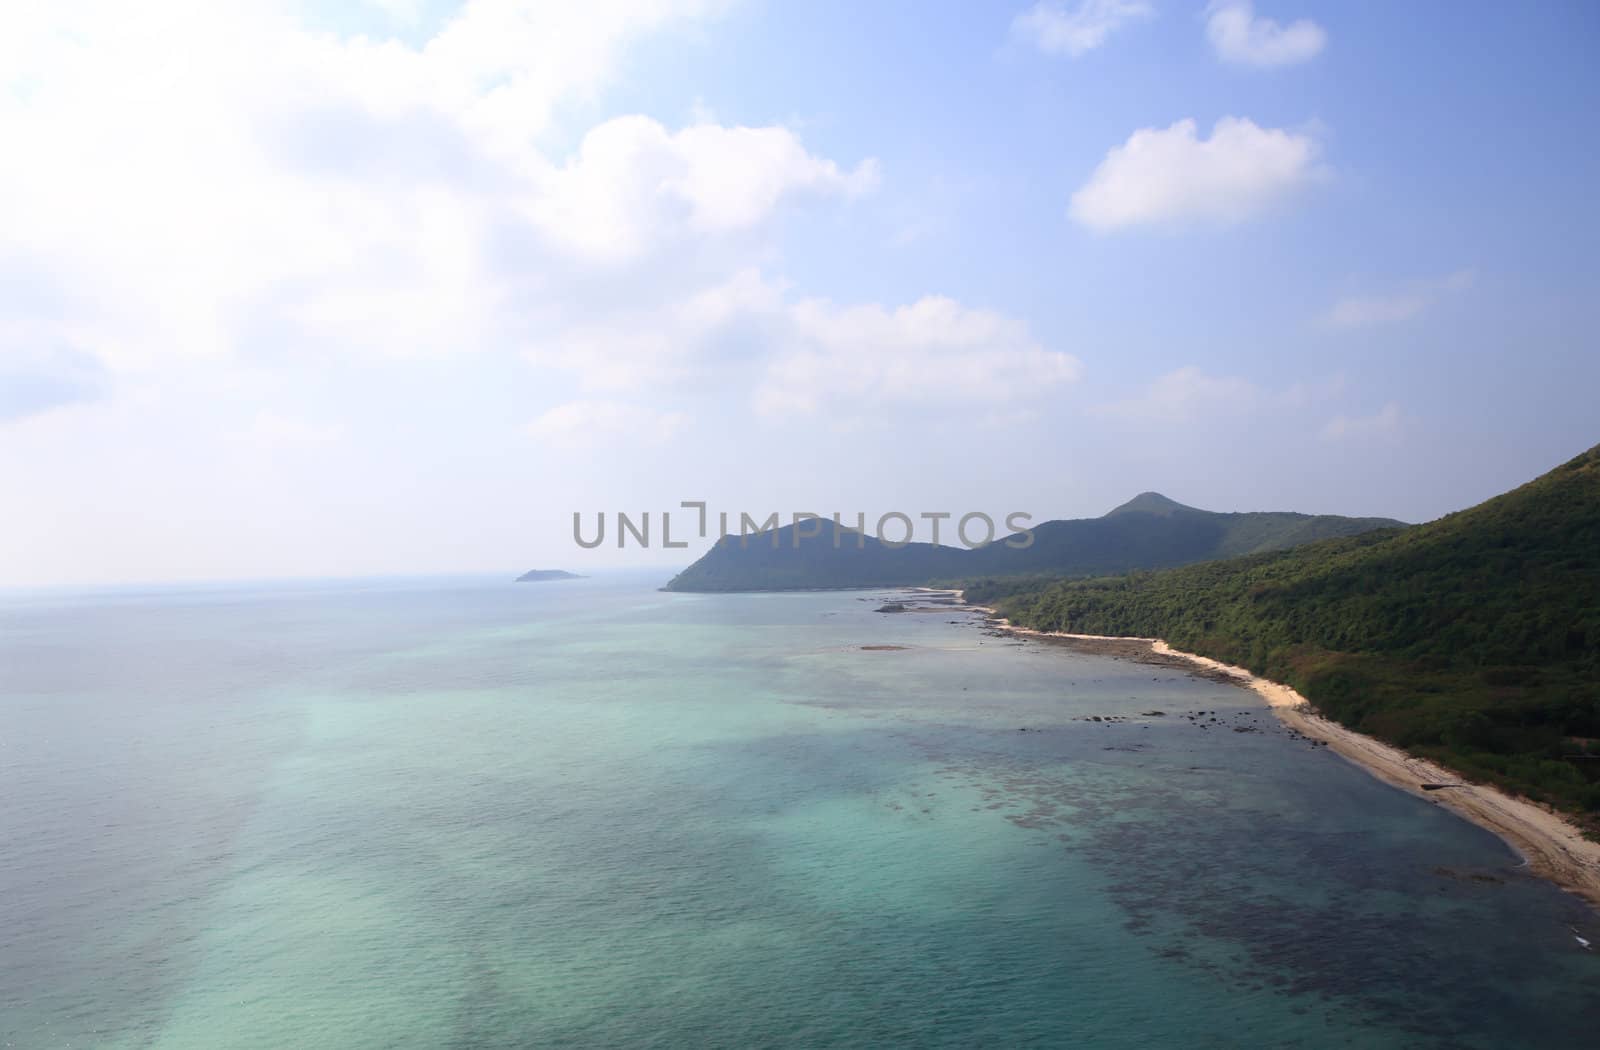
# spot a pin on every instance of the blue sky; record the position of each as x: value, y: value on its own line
x: 298, y: 289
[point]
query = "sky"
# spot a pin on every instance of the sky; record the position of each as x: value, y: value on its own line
x: 294, y: 289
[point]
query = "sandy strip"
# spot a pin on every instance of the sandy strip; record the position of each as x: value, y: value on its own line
x: 1552, y: 846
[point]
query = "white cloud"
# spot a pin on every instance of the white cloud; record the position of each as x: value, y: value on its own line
x: 655, y: 343
x: 580, y: 423
x: 1310, y: 392
x: 407, y: 12
x: 271, y: 430
x: 860, y: 358
x: 1384, y: 422
x: 34, y: 380
x: 1187, y: 394
x: 633, y: 180
x: 1365, y: 310
x: 1171, y: 175
x: 283, y: 186
x: 288, y: 195
x: 1239, y: 36
x: 1055, y: 29
x: 1184, y: 395
x: 804, y: 356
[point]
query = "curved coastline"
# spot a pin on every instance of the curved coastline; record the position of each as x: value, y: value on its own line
x: 1551, y: 846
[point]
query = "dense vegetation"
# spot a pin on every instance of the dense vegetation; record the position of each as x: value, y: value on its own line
x: 776, y: 561
x: 1150, y: 531
x: 1473, y: 640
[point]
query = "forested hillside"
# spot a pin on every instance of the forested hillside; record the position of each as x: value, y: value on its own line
x: 1474, y: 640
x: 1150, y: 531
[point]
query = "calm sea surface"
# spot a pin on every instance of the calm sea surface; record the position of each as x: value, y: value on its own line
x: 466, y: 813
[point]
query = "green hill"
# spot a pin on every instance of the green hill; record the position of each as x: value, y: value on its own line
x: 1473, y: 640
x: 1148, y: 532
x: 1150, y: 503
x: 776, y: 561
x: 546, y: 576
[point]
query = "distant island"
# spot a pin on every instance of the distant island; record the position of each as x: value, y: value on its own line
x: 1150, y: 531
x: 1473, y: 640
x: 546, y: 575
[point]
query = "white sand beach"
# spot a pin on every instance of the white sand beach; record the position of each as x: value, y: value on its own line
x: 1552, y: 846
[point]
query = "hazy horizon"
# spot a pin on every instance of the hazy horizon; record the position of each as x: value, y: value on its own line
x: 609, y: 557
x: 395, y: 287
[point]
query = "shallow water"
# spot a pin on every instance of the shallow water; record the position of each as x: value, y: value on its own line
x: 467, y: 813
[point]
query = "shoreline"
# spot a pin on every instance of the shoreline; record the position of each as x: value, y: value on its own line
x: 1550, y: 846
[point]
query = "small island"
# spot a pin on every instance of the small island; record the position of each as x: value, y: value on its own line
x: 545, y: 575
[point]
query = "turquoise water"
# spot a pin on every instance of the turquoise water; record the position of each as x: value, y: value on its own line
x: 471, y: 814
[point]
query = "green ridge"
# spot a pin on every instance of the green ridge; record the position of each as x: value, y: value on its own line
x: 1148, y: 532
x: 1473, y: 640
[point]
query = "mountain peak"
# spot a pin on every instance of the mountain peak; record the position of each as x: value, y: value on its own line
x: 1149, y: 503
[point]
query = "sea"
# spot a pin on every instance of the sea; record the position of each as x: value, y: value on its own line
x: 464, y: 812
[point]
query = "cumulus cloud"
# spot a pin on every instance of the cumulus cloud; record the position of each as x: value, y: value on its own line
x: 1056, y: 29
x: 860, y: 358
x: 285, y: 186
x: 407, y: 12
x: 1384, y: 422
x: 274, y: 430
x: 1183, y: 395
x: 1366, y: 310
x: 633, y: 180
x: 803, y: 356
x: 579, y: 423
x: 1164, y: 176
x: 290, y: 194
x: 655, y: 344
x: 33, y: 382
x: 1187, y: 394
x: 1239, y: 36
